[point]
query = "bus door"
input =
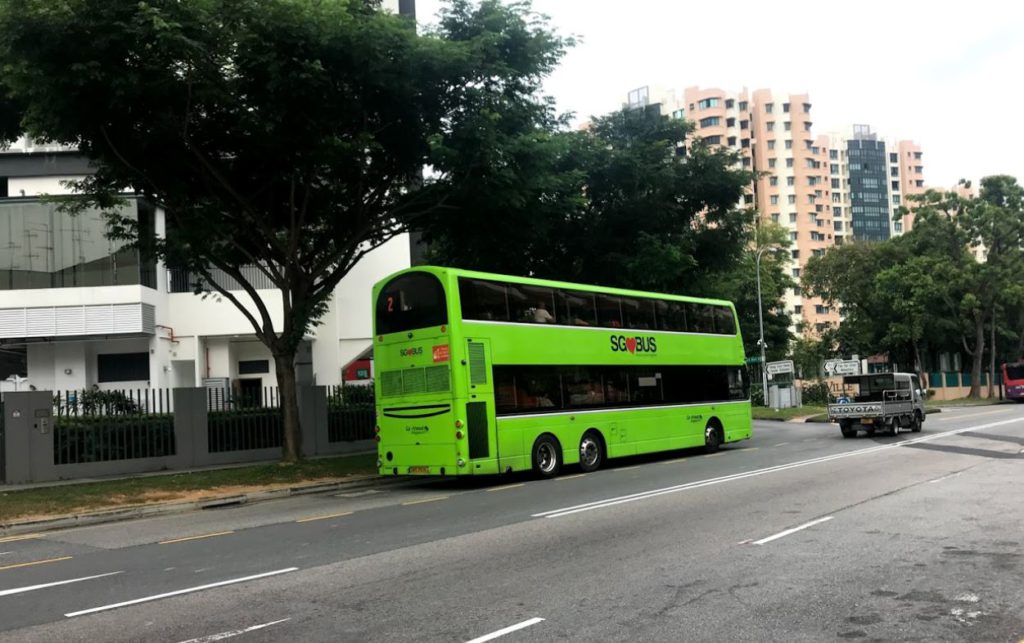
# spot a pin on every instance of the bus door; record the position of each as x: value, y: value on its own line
x: 481, y: 429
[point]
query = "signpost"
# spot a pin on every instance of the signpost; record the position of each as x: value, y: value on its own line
x: 778, y: 368
x: 837, y: 367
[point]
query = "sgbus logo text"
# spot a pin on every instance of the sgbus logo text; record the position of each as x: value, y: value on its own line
x: 623, y: 344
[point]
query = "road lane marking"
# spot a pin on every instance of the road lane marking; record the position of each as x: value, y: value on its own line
x: 189, y: 590
x: 506, y: 630
x: 508, y: 486
x: 746, y: 449
x: 232, y: 633
x: 783, y: 534
x: 637, y: 466
x: 32, y: 588
x: 610, y: 502
x: 6, y: 553
x: 578, y: 475
x: 420, y: 502
x: 676, y: 461
x: 182, y: 540
x: 35, y: 562
x: 327, y: 517
x: 712, y: 455
x: 14, y: 539
x: 782, y: 444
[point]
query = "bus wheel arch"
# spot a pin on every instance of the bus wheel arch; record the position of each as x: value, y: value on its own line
x: 714, y: 434
x: 546, y: 455
x: 593, y: 450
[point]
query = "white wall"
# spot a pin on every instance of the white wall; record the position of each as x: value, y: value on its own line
x: 37, y: 185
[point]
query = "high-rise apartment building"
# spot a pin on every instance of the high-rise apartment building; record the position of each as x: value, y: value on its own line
x: 823, y: 190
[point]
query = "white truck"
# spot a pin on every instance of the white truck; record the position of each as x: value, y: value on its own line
x: 879, y: 402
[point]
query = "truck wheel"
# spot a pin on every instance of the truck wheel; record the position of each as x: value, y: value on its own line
x: 848, y: 430
x: 916, y: 426
x: 894, y: 428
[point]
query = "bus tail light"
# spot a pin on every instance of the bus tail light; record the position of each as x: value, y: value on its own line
x: 461, y: 462
x: 376, y: 429
x: 376, y: 439
x: 458, y: 424
x: 459, y: 435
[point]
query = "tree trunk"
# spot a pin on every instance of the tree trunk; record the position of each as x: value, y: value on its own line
x: 919, y: 366
x: 979, y: 356
x: 992, y: 363
x: 292, y: 445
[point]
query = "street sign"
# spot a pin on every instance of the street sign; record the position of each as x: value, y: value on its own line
x: 754, y: 359
x: 842, y: 367
x: 778, y: 368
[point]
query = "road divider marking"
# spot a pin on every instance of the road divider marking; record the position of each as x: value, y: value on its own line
x: 782, y: 444
x: 182, y: 540
x: 746, y: 449
x: 14, y: 539
x: 420, y: 502
x: 643, y: 495
x: 326, y: 517
x: 508, y: 486
x: 676, y: 461
x: 506, y: 630
x: 636, y: 466
x: 32, y: 588
x: 783, y: 534
x: 972, y: 415
x: 6, y: 553
x: 189, y: 590
x: 578, y: 475
x: 712, y: 455
x: 232, y: 633
x: 35, y: 562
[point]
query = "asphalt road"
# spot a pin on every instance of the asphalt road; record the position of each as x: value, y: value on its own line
x: 795, y: 535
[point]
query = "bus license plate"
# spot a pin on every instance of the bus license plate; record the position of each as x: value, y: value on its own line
x: 419, y: 469
x: 866, y: 421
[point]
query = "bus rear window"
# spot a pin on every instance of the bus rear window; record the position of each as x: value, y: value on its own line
x: 411, y: 301
x: 1015, y: 371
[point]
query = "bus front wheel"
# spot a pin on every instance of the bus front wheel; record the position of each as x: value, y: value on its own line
x: 547, y: 456
x: 591, y: 451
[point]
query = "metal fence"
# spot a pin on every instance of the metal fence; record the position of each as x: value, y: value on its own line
x: 244, y: 421
x: 350, y: 413
x: 103, y: 426
x: 184, y: 281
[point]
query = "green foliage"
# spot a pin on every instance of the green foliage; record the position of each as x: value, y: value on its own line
x: 350, y: 396
x: 95, y: 402
x: 103, y: 438
x: 816, y: 394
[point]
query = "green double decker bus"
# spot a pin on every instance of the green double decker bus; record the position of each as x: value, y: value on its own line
x: 480, y: 373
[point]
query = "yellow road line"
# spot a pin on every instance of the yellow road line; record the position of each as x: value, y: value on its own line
x: 578, y: 475
x: 420, y: 502
x: 327, y: 517
x: 13, y: 539
x: 181, y: 540
x: 35, y: 562
x: 508, y: 486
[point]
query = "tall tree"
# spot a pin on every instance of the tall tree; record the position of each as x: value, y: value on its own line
x: 280, y: 134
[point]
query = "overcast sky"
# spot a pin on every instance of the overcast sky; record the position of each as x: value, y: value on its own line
x: 945, y: 75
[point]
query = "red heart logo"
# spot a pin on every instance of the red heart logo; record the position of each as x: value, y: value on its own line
x: 631, y: 344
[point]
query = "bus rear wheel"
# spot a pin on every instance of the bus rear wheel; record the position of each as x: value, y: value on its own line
x: 712, y: 437
x: 591, y: 451
x: 547, y: 456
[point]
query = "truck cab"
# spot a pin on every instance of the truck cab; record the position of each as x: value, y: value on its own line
x: 879, y: 402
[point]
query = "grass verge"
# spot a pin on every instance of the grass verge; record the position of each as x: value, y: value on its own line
x: 112, y: 494
x: 762, y: 413
x: 965, y: 401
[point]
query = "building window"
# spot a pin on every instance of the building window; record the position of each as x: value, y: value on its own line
x: 807, y: 126
x: 730, y: 122
x: 775, y: 217
x: 746, y: 161
x: 769, y: 108
x: 894, y: 171
x: 836, y: 197
x: 789, y: 162
x: 744, y: 124
x: 771, y: 144
x: 745, y: 143
x: 894, y: 158
x: 770, y: 126
x: 798, y: 309
x: 710, y: 121
x: 253, y: 367
x: 730, y: 103
x: 895, y: 199
x: 919, y: 184
x: 713, y: 140
x: 833, y: 168
x: 792, y: 217
x: 807, y: 107
x: 837, y: 226
x: 791, y: 199
x: 833, y: 154
x: 821, y: 310
x: 793, y: 236
x: 895, y: 185
x: 898, y: 226
x: 917, y: 155
x: 789, y: 144
x: 795, y: 254
x: 796, y: 272
x: 835, y: 184
x: 774, y: 199
x: 773, y: 181
x: 787, y: 126
x: 837, y: 211
x: 790, y: 181
x: 122, y: 367
x: 771, y: 163
x: 678, y: 114
x: 708, y: 103
x: 785, y: 107
x: 918, y: 169
x: 743, y: 105
x: 732, y: 141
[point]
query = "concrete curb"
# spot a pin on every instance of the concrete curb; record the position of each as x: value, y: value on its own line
x: 168, y: 508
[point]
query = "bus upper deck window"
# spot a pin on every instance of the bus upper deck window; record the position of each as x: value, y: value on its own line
x: 409, y: 302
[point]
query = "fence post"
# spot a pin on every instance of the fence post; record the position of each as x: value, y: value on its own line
x: 313, y: 418
x: 190, y: 426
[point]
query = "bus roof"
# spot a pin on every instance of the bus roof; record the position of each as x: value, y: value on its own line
x: 531, y: 281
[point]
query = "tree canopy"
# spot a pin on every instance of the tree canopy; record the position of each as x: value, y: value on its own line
x: 289, y: 135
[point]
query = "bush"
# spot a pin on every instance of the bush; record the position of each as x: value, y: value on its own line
x: 95, y: 402
x: 350, y: 395
x: 817, y: 394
